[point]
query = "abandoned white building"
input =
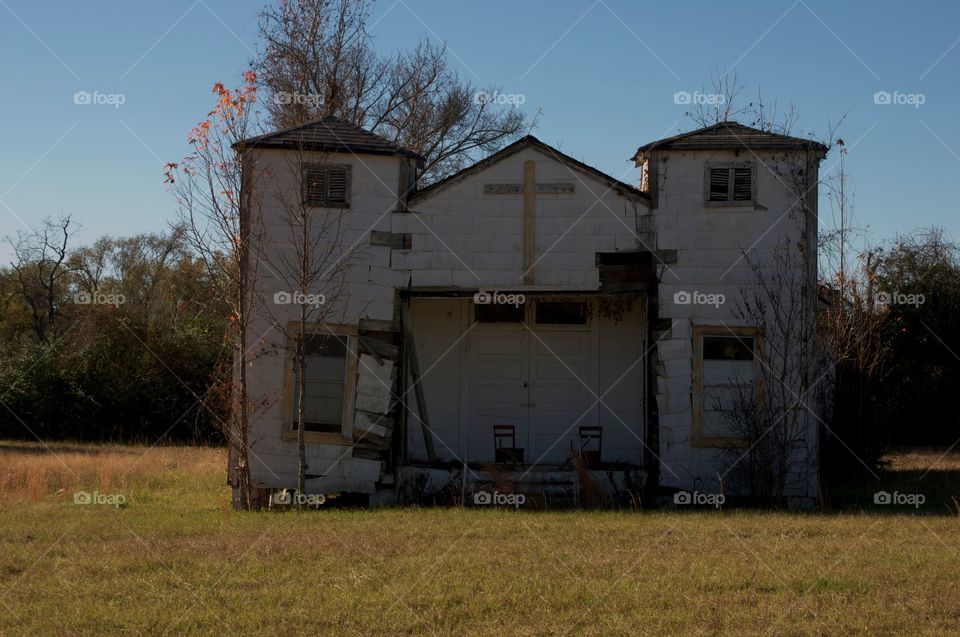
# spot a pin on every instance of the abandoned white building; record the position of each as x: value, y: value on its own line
x: 527, y: 323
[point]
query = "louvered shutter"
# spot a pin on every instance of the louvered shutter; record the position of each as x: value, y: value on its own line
x: 338, y: 192
x: 742, y: 184
x: 719, y: 184
x: 314, y: 186
x: 327, y: 186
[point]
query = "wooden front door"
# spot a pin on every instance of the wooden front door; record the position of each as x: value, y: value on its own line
x: 531, y: 381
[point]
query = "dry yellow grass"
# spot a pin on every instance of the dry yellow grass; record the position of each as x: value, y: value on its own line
x: 178, y: 560
x: 923, y: 460
x: 36, y: 471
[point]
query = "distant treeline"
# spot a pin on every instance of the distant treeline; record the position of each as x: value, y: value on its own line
x: 890, y: 327
x: 121, y: 340
x: 127, y: 339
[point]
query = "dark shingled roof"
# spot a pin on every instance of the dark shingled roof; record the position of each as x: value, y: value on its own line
x: 731, y: 135
x: 330, y: 135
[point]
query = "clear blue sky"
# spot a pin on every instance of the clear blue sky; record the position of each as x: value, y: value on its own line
x: 604, y: 75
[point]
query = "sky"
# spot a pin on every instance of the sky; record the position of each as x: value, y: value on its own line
x: 601, y: 77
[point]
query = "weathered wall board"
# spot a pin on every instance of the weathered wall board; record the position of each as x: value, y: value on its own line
x: 552, y: 188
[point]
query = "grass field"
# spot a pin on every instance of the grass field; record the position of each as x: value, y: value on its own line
x: 174, y: 559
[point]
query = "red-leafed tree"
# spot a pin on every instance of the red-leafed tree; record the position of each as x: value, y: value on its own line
x: 219, y: 207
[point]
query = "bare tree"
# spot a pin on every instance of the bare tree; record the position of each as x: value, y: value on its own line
x: 775, y: 414
x: 90, y: 264
x: 318, y: 61
x: 219, y: 206
x: 782, y: 301
x: 137, y: 267
x: 718, y: 104
x: 42, y: 272
x: 723, y: 101
x: 314, y: 267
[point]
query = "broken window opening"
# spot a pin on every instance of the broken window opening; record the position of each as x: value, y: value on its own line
x: 326, y: 369
x: 724, y: 376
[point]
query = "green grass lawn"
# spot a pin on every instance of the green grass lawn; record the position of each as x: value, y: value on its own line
x: 175, y: 560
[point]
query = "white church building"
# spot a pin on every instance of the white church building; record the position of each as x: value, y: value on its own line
x: 527, y: 325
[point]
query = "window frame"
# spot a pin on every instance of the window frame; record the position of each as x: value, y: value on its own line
x: 698, y: 439
x: 345, y: 437
x: 729, y: 203
x: 325, y: 201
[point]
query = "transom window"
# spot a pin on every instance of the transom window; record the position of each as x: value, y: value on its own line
x: 561, y: 312
x: 327, y: 185
x: 730, y: 183
x: 498, y: 313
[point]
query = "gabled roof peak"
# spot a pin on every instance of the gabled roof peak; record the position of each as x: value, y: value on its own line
x: 531, y: 141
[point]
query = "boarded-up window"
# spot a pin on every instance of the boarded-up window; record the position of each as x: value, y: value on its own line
x: 727, y: 379
x: 323, y: 392
x: 327, y: 185
x: 730, y: 184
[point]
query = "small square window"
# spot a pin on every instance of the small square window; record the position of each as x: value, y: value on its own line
x: 730, y: 184
x: 327, y: 185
